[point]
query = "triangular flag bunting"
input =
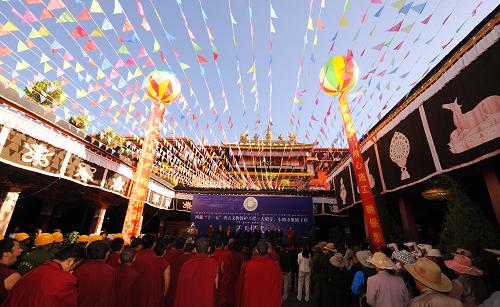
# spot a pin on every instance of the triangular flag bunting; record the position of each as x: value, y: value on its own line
x: 97, y: 33
x: 396, y: 27
x: 96, y: 7
x: 343, y: 21
x: 84, y: 15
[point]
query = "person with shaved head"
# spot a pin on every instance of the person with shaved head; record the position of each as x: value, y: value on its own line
x: 198, y: 279
x: 260, y: 280
x: 126, y: 280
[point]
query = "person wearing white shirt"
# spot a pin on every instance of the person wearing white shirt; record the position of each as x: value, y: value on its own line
x: 304, y: 262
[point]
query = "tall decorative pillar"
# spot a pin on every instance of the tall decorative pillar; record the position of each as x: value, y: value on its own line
x: 493, y: 185
x: 408, y: 220
x: 161, y: 227
x: 8, y: 204
x: 98, y: 219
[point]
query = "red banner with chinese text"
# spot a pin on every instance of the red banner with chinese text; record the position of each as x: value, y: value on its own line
x: 133, y: 217
x: 370, y: 212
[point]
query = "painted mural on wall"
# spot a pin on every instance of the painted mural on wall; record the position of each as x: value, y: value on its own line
x: 464, y: 116
x: 32, y: 153
x: 459, y: 124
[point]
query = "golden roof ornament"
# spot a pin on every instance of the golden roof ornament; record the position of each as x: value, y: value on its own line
x: 244, y: 138
x: 269, y: 134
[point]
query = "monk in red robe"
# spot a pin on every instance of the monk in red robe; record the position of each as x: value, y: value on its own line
x: 96, y: 278
x: 126, y: 277
x: 223, y: 258
x: 9, y: 251
x: 51, y: 284
x: 154, y: 278
x: 236, y: 263
x: 116, y: 248
x: 260, y: 281
x: 197, y: 284
x: 176, y: 257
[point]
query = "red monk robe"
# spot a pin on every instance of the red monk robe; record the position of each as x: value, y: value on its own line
x: 95, y: 284
x: 223, y: 258
x: 196, y: 284
x: 259, y: 283
x: 113, y: 260
x: 176, y: 258
x: 47, y: 285
x: 150, y: 282
x: 126, y: 294
x: 236, y: 263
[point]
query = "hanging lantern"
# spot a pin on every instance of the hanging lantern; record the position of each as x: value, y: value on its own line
x: 163, y: 86
x: 338, y: 75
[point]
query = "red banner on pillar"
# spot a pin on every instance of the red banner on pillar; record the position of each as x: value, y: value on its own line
x: 370, y: 212
x: 133, y: 217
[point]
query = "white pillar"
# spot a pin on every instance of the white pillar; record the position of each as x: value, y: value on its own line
x: 8, y: 203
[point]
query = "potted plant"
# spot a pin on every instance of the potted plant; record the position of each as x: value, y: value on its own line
x: 46, y: 93
x: 80, y: 122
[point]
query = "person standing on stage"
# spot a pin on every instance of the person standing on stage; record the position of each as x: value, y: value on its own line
x: 279, y: 236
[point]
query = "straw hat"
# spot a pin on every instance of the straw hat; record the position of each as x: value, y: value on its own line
x: 363, y: 257
x: 337, y: 260
x: 429, y: 274
x: 330, y: 247
x: 463, y: 265
x: 393, y: 246
x: 493, y: 251
x: 381, y: 261
x: 425, y: 247
x: 463, y: 251
x: 411, y: 244
x: 434, y: 253
x: 403, y: 256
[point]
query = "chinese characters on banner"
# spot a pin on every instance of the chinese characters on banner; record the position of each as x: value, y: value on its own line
x: 133, y: 217
x: 370, y: 213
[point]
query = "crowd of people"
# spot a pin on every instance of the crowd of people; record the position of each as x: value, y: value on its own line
x: 104, y: 270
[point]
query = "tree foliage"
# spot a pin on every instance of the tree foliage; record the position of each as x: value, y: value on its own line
x: 393, y: 233
x: 80, y: 122
x: 46, y: 93
x: 110, y: 138
x: 465, y: 226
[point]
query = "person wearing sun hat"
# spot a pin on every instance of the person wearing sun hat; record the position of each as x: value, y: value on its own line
x: 468, y: 286
x: 339, y: 286
x: 401, y: 258
x: 321, y: 271
x: 360, y: 269
x: 432, y: 284
x: 385, y: 289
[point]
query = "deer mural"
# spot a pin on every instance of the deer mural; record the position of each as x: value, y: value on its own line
x: 476, y: 127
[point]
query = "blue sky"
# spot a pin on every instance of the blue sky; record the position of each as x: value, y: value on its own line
x: 390, y: 61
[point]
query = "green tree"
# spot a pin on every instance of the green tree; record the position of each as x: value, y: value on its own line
x: 464, y: 224
x: 46, y: 93
x: 80, y: 122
